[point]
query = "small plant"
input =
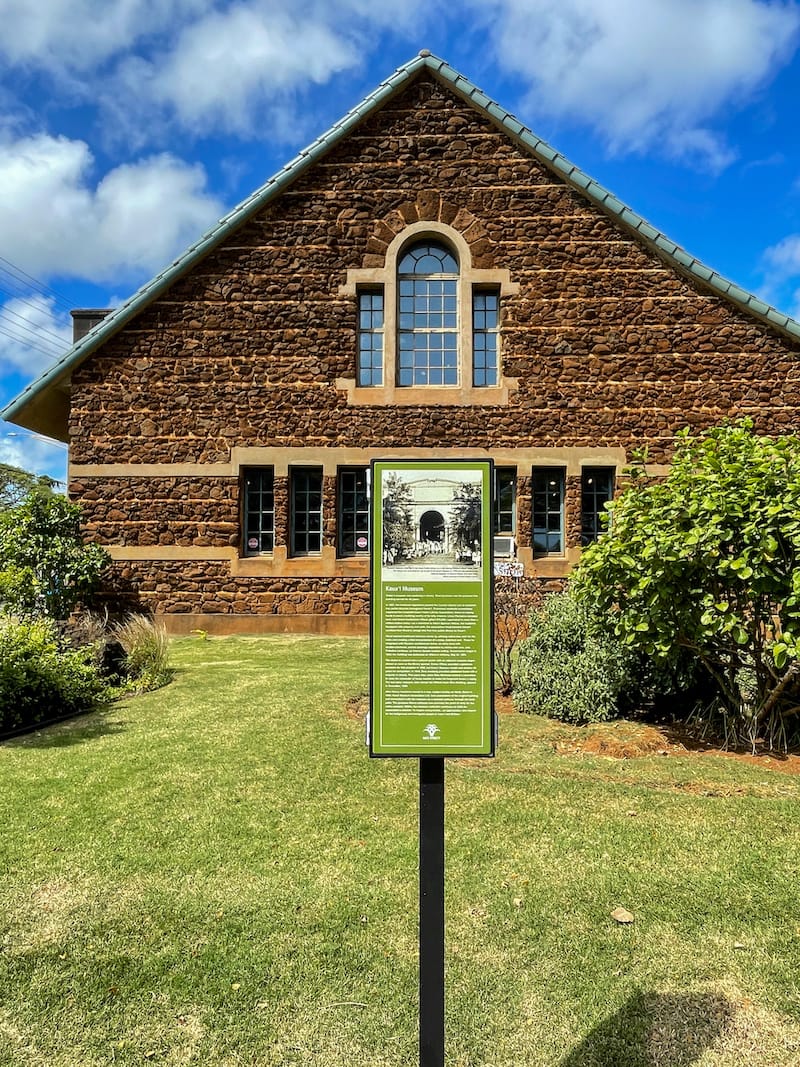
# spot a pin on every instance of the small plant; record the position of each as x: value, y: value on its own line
x: 514, y: 599
x: 146, y: 652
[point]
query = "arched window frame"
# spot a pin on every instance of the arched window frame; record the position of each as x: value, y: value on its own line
x: 470, y: 279
x: 428, y: 319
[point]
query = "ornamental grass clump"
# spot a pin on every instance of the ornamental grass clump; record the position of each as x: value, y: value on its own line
x: 146, y: 648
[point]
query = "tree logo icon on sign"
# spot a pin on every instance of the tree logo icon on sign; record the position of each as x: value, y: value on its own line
x: 431, y: 732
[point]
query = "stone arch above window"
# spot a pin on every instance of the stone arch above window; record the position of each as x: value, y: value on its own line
x: 415, y: 347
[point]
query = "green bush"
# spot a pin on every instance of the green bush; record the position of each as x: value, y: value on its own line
x: 38, y: 679
x: 705, y: 565
x: 45, y: 567
x: 570, y: 670
x: 146, y: 649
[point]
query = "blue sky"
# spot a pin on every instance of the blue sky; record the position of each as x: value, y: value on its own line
x: 128, y: 127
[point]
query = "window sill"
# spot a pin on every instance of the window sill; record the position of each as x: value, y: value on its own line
x: 323, y: 564
x: 426, y: 395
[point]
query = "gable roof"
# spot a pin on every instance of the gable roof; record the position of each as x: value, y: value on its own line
x: 44, y: 405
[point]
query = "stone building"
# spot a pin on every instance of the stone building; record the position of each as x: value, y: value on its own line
x: 428, y: 279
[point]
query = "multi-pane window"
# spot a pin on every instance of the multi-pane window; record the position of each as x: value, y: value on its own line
x: 597, y: 488
x: 370, y: 337
x: 306, y: 511
x: 353, y: 511
x: 548, y: 509
x: 485, y: 332
x: 505, y: 485
x: 259, y: 511
x: 427, y: 335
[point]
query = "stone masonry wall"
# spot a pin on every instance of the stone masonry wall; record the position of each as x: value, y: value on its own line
x: 611, y: 347
x: 205, y: 587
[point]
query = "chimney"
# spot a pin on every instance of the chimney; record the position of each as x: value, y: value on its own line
x: 83, y: 319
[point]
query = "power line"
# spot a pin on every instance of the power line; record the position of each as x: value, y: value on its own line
x: 38, y: 436
x: 51, y: 353
x: 27, y: 281
x: 27, y: 325
x: 19, y: 286
x: 37, y: 302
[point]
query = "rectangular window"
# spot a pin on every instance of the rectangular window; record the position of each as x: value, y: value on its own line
x: 353, y: 512
x: 259, y: 511
x: 505, y: 493
x: 548, y: 510
x: 485, y: 336
x: 370, y: 337
x: 306, y: 511
x: 597, y: 488
x: 428, y: 332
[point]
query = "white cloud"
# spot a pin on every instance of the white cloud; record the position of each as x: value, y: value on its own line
x: 781, y: 265
x: 784, y: 257
x: 76, y: 35
x: 228, y: 64
x: 240, y: 67
x: 135, y: 221
x: 32, y: 453
x: 645, y: 75
x: 206, y: 66
x: 32, y: 334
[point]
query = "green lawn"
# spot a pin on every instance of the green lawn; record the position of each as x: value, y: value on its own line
x: 216, y: 874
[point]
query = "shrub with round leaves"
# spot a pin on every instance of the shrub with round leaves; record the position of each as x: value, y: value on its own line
x: 705, y: 562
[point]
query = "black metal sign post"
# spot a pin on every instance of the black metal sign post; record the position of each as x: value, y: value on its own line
x: 431, y: 912
x: 431, y: 599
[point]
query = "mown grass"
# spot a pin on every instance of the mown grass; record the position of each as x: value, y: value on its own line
x: 216, y: 874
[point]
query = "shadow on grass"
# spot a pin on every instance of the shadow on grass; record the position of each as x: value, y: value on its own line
x: 73, y: 731
x: 678, y: 733
x: 655, y: 1030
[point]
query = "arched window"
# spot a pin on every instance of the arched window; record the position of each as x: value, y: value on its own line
x: 428, y: 326
x: 427, y: 283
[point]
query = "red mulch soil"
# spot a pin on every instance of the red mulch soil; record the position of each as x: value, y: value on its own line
x: 629, y: 740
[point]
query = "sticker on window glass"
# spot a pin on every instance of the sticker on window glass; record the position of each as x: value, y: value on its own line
x: 253, y: 542
x: 361, y: 542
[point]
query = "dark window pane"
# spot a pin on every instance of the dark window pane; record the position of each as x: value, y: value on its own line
x: 505, y: 488
x: 548, y: 509
x: 353, y: 512
x: 259, y: 511
x: 597, y: 488
x: 306, y: 510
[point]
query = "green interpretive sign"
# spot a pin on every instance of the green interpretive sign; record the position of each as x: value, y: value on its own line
x: 432, y: 634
